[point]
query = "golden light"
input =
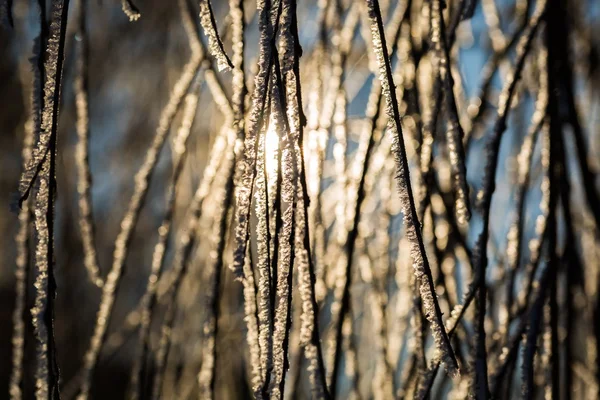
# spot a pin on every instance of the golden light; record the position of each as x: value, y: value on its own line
x: 271, y: 147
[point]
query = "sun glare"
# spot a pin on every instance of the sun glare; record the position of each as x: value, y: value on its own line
x: 271, y: 147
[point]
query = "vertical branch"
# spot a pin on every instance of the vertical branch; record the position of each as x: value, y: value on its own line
x: 413, y: 231
x: 238, y: 99
x: 22, y: 259
x: 479, y: 104
x: 265, y: 286
x: 137, y: 383
x: 552, y: 192
x: 247, y: 170
x: 531, y: 341
x: 84, y: 178
x: 343, y: 280
x: 207, y: 374
x: 246, y: 174
x: 47, y: 374
x: 220, y: 158
x: 286, y: 96
x: 383, y: 378
x: 310, y: 338
x: 454, y: 131
x: 282, y: 315
x: 485, y: 197
x: 148, y: 300
x: 251, y: 319
x: 565, y: 84
x: 131, y: 217
x: 215, y: 46
x: 356, y: 196
x: 351, y: 361
x: 515, y: 239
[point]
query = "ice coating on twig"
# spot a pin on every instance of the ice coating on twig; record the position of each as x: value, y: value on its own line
x: 348, y: 236
x: 22, y: 261
x: 349, y: 161
x: 158, y: 257
x: 515, y: 238
x: 84, y: 179
x: 247, y: 170
x: 207, y: 374
x: 142, y: 179
x: 480, y: 252
x: 220, y: 159
x: 291, y: 52
x: 263, y: 264
x: 289, y: 183
x: 284, y: 273
x: 130, y: 10
x: 238, y: 98
x: 454, y: 131
x: 420, y: 264
x: 215, y: 46
x: 44, y: 180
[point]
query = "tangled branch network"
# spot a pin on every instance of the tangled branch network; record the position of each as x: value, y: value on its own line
x: 334, y: 199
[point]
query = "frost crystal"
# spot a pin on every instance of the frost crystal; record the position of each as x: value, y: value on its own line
x: 130, y: 10
x: 158, y: 257
x: 265, y: 305
x: 22, y: 262
x: 215, y: 46
x: 479, y: 366
x: 142, y: 179
x: 42, y: 170
x: 247, y: 170
x: 454, y: 131
x: 413, y: 232
x: 86, y: 224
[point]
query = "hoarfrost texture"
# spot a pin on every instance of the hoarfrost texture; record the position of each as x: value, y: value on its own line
x: 327, y: 199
